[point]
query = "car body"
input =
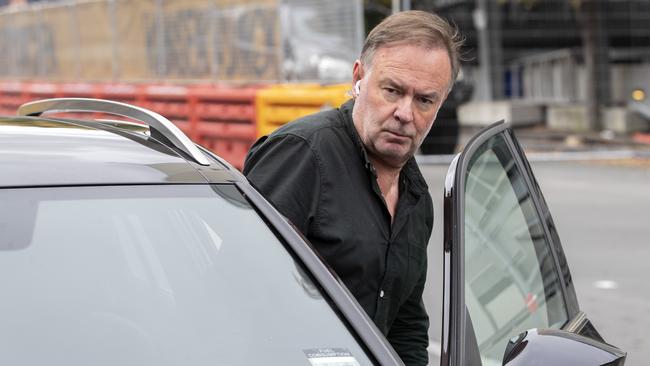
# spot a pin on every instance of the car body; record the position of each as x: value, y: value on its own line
x: 125, y: 243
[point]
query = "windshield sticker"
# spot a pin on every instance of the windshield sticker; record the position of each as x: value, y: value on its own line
x: 330, y: 357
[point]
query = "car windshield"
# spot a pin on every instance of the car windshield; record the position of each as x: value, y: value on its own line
x: 156, y: 275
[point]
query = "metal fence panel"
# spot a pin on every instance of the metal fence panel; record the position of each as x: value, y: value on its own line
x: 91, y: 28
x: 190, y: 40
x: 321, y: 39
x: 134, y: 23
x: 26, y: 45
x: 247, y: 43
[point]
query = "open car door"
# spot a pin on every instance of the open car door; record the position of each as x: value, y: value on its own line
x: 508, y: 294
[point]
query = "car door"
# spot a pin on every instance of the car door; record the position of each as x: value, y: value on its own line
x: 504, y: 269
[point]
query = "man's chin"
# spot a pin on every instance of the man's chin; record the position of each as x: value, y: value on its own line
x: 395, y: 156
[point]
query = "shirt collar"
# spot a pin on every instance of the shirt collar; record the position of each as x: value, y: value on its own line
x: 346, y: 110
x: 410, y: 170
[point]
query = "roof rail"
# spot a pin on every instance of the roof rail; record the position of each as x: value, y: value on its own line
x: 149, y: 118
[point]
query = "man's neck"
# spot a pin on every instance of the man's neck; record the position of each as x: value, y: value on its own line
x: 388, y: 181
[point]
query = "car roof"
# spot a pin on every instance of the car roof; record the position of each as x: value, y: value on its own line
x: 37, y: 151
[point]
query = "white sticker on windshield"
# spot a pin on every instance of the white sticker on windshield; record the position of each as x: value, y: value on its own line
x: 330, y: 357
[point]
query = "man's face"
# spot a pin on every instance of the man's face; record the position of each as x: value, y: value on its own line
x: 399, y: 97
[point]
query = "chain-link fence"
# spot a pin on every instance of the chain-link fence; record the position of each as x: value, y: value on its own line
x: 190, y: 40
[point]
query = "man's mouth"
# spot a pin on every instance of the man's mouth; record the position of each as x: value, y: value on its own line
x: 396, y: 134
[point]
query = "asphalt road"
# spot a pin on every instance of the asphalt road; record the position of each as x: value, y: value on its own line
x: 602, y: 212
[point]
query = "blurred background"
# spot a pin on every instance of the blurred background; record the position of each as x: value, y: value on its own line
x: 576, y: 68
x: 571, y: 76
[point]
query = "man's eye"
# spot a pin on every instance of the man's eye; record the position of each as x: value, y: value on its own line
x: 391, y: 91
x: 425, y: 101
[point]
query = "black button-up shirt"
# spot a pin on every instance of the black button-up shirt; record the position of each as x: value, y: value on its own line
x: 316, y: 172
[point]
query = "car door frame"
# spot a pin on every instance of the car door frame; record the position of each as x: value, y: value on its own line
x: 454, y: 320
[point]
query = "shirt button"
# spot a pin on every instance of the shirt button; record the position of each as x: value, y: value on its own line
x: 381, y: 294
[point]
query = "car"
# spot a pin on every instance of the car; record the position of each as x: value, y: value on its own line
x: 123, y: 242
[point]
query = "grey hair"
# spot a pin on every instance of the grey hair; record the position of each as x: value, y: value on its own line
x: 415, y: 27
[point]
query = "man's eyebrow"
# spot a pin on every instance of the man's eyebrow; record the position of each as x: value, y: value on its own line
x: 397, y: 85
x: 391, y: 82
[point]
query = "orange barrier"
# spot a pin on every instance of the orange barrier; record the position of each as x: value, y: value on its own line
x: 14, y: 94
x: 125, y: 93
x: 171, y: 101
x: 79, y: 90
x: 279, y: 104
x: 223, y: 120
x: 41, y: 90
x: 226, y: 120
x: 642, y: 137
x: 11, y: 97
x: 220, y: 118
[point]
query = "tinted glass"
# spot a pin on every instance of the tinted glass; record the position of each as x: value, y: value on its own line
x: 511, y: 283
x: 155, y: 275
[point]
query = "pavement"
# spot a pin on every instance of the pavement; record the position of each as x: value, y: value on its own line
x: 542, y: 144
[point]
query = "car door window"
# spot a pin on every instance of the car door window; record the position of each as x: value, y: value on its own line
x: 511, y: 282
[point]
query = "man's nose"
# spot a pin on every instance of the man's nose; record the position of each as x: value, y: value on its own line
x: 404, y: 109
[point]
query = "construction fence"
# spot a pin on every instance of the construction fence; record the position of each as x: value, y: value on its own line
x: 225, y: 41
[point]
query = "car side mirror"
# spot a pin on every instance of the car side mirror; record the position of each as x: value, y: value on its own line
x: 559, y: 347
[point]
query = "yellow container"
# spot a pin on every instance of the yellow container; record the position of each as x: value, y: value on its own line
x: 279, y: 104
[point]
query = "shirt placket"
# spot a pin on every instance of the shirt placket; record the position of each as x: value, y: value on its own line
x: 386, y: 277
x: 391, y: 267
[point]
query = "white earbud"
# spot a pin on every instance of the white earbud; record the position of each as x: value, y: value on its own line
x: 357, y: 87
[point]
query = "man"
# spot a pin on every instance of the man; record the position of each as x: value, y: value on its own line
x: 348, y: 180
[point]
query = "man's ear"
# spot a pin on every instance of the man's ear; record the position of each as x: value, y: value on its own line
x: 357, y: 72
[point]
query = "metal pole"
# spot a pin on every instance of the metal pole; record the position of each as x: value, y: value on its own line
x: 160, y: 39
x: 115, y: 57
x: 11, y: 36
x: 283, y: 13
x: 76, y: 31
x: 360, y: 33
x: 214, y: 62
x: 487, y: 19
x: 395, y: 6
x: 480, y: 22
x: 406, y: 5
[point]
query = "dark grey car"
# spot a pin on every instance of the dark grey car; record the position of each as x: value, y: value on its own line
x: 126, y: 244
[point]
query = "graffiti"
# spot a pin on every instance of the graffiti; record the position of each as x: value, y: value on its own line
x: 179, y: 46
x: 231, y: 42
x: 27, y: 51
x: 194, y: 43
x: 254, y: 43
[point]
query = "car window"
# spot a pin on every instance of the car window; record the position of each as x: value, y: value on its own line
x: 156, y: 275
x: 511, y: 282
